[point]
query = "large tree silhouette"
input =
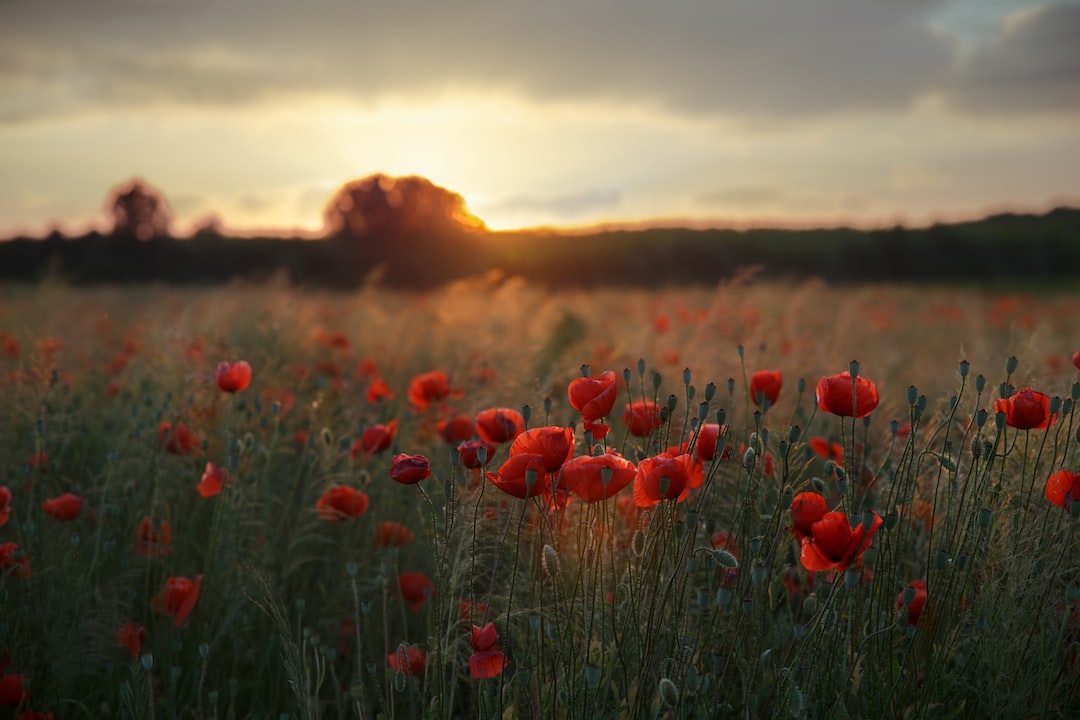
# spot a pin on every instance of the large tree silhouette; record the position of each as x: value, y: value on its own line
x: 388, y: 207
x: 139, y: 211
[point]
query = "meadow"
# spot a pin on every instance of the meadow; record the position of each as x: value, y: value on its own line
x: 490, y: 500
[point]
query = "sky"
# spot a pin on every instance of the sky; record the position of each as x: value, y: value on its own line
x: 557, y: 113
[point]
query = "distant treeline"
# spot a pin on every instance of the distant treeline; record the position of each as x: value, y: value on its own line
x: 1002, y: 248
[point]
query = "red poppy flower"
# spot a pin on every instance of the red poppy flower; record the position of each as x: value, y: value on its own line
x: 585, y: 475
x: 341, y: 502
x: 833, y: 544
x: 378, y: 390
x: 332, y: 340
x: 5, y: 504
x: 409, y: 469
x: 593, y: 396
x: 34, y: 715
x: 132, y: 636
x: 915, y: 607
x: 469, y: 452
x: 19, y: 567
x: 150, y: 542
x: 499, y: 425
x: 827, y: 450
x: 1062, y: 488
x: 597, y: 430
x: 407, y: 659
x: 428, y: 388
x: 642, y: 417
x: 833, y: 395
x: 63, y: 507
x: 1076, y: 359
x: 457, y: 429
x: 233, y: 377
x: 376, y: 438
x: 767, y: 384
x: 415, y: 588
x: 365, y: 368
x: 12, y: 692
x: 392, y: 534
x: 487, y: 661
x: 697, y: 469
x: 39, y: 461
x: 662, y: 478
x: 512, y: 477
x: 178, y: 597
x: 707, y: 439
x: 555, y: 444
x: 1026, y: 410
x: 178, y: 440
x: 806, y: 509
x: 11, y: 346
x: 212, y: 481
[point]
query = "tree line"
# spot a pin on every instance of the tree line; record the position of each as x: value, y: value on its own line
x: 410, y: 233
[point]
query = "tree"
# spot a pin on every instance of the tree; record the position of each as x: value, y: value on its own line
x: 139, y: 211
x: 380, y: 205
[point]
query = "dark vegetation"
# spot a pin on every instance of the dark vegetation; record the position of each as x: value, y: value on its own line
x: 407, y: 232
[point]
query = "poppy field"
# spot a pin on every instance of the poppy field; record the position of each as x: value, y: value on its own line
x: 488, y: 500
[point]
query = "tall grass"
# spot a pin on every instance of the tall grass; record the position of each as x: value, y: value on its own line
x: 693, y: 608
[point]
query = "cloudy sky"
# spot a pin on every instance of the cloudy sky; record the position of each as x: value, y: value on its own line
x: 562, y: 112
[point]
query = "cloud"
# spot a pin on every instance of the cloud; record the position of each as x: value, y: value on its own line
x: 1032, y: 64
x: 765, y: 58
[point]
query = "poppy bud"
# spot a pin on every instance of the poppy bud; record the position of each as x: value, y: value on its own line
x: 851, y: 577
x: 731, y: 385
x: 657, y: 380
x: 626, y: 375
x: 757, y: 574
x: 710, y: 392
x: 585, y: 370
x: 721, y: 417
x: 723, y: 597
x: 912, y: 394
x: 641, y: 366
x: 810, y: 604
x: 1075, y: 393
x: 748, y: 459
x: 853, y: 368
x: 980, y: 417
x: 147, y: 662
x: 686, y: 376
x: 725, y: 559
x: 526, y: 413
x: 980, y: 383
x: 965, y: 366
x: 638, y: 543
x: 1011, y: 365
x: 741, y: 350
x: 668, y: 692
x: 1055, y: 404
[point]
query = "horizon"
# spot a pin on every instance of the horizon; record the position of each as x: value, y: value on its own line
x: 780, y: 114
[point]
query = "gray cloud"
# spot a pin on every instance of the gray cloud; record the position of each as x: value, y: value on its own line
x: 769, y: 57
x: 1031, y: 65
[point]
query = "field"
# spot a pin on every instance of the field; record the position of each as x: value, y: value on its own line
x: 413, y: 510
